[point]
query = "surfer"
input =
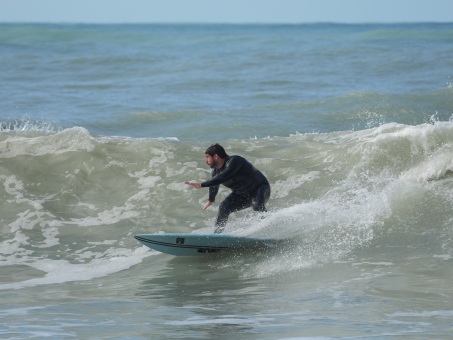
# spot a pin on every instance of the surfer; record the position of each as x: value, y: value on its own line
x: 250, y: 188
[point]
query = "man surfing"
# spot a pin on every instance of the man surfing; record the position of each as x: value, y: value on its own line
x: 249, y: 187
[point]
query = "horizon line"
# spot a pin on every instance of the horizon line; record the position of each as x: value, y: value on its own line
x: 225, y: 23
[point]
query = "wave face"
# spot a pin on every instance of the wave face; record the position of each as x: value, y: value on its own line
x: 76, y: 199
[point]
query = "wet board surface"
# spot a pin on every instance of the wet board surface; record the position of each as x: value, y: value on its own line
x: 186, y: 244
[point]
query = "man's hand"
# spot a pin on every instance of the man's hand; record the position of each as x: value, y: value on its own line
x: 198, y: 186
x: 207, y: 205
x: 194, y: 184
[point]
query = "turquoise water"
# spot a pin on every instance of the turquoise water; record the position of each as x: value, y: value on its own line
x: 101, y: 125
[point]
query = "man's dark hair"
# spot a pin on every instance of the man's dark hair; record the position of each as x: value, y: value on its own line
x: 216, y: 149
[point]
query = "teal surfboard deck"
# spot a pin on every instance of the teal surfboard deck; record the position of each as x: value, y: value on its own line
x: 186, y: 244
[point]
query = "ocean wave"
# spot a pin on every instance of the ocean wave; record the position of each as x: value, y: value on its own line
x: 332, y: 193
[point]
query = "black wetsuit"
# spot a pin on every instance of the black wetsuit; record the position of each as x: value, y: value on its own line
x: 249, y: 186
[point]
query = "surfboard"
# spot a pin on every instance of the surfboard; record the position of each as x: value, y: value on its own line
x: 187, y: 244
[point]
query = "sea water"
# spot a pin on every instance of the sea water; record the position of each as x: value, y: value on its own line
x: 100, y: 125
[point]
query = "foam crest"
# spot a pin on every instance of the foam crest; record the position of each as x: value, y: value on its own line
x: 435, y: 168
x: 75, y: 139
x: 27, y: 125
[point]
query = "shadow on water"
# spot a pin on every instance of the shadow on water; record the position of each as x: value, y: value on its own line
x: 191, y: 279
x: 223, y: 270
x: 207, y: 293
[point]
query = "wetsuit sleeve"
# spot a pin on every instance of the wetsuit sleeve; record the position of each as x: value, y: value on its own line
x: 213, y: 193
x: 213, y: 190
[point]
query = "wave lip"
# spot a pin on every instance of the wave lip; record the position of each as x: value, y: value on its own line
x: 27, y: 125
x: 45, y: 143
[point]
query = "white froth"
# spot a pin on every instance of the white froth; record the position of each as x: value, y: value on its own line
x: 434, y: 168
x: 74, y: 139
x: 106, y: 217
x: 282, y: 188
x: 60, y: 271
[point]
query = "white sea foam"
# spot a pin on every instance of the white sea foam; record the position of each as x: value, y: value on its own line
x: 75, y: 139
x: 60, y: 271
